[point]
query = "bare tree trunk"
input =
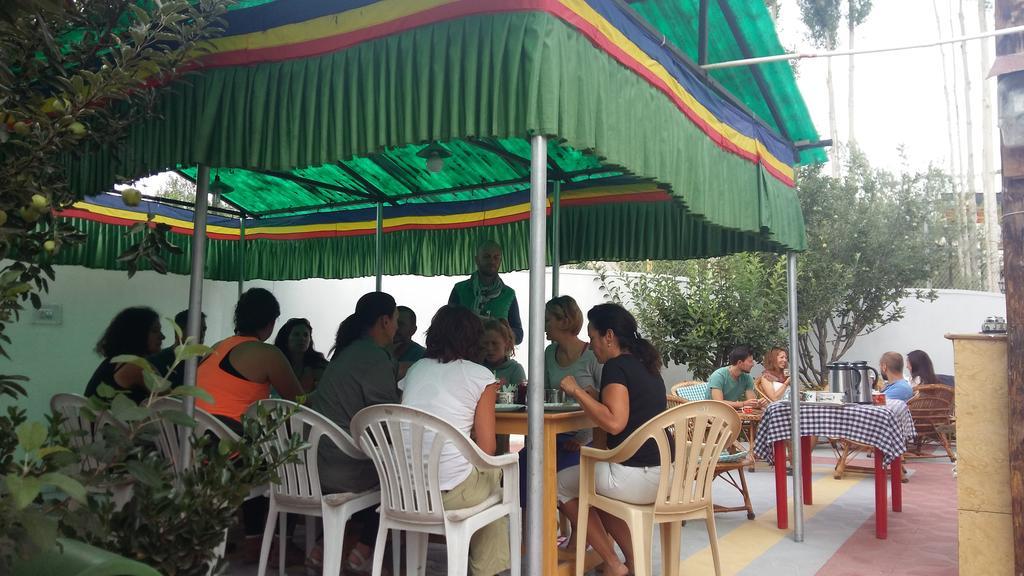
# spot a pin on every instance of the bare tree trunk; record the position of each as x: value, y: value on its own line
x: 850, y: 137
x: 970, y: 205
x: 992, y: 229
x: 832, y: 124
x: 951, y: 127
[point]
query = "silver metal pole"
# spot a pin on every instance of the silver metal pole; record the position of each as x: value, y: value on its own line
x: 556, y: 229
x: 380, y: 245
x: 241, y: 258
x: 535, y: 403
x: 794, y: 398
x: 195, y: 293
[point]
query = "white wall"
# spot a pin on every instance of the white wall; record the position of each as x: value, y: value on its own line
x: 60, y: 358
x: 925, y: 325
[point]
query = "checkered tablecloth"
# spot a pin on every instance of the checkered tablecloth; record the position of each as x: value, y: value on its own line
x: 885, y: 427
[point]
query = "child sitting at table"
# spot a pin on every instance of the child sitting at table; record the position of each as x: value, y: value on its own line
x: 499, y: 347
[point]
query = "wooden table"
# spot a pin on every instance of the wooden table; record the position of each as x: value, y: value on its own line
x: 554, y: 424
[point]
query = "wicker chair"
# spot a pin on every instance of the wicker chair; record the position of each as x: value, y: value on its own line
x: 942, y: 391
x: 932, y: 420
x: 689, y: 391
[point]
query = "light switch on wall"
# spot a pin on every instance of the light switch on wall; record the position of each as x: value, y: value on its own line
x: 51, y: 314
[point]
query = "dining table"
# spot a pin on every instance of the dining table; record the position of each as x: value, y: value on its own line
x: 555, y: 422
x: 886, y: 428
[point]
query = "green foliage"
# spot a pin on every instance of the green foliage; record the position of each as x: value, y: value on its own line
x: 55, y: 486
x: 151, y: 247
x: 696, y: 311
x: 822, y: 20
x: 857, y: 12
x: 870, y: 244
x: 74, y: 76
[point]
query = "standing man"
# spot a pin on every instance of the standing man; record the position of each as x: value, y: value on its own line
x: 403, y: 349
x: 733, y: 384
x: 485, y: 294
x: 891, y: 367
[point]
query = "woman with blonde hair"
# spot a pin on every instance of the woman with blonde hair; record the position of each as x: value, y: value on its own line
x: 774, y: 381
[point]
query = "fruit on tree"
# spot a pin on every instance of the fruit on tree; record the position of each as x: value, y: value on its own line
x: 131, y: 196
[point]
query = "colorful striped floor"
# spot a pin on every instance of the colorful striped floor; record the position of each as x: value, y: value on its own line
x: 839, y: 536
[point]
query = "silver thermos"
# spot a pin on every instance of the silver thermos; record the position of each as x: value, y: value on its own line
x: 838, y: 376
x: 853, y: 380
x: 860, y: 393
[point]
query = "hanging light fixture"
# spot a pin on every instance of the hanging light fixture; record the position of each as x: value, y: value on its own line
x: 218, y: 188
x: 434, y: 154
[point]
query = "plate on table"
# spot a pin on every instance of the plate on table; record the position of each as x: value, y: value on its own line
x: 508, y: 407
x: 561, y: 407
x: 804, y: 403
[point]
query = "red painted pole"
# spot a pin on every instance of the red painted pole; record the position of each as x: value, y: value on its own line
x: 896, y: 472
x: 805, y: 469
x: 781, y: 504
x: 881, y: 508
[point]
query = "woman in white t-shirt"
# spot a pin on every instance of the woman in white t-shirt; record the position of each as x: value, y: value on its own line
x: 450, y: 384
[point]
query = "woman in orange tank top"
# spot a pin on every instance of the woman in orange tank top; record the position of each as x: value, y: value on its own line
x: 242, y: 369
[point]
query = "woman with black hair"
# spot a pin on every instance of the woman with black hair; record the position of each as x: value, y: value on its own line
x: 133, y: 331
x: 361, y: 373
x: 244, y: 369
x: 295, y: 339
x: 921, y: 369
x: 632, y: 392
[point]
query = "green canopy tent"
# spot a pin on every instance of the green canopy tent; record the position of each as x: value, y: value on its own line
x: 316, y: 117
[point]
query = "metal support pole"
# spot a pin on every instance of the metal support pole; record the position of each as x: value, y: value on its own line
x: 195, y: 293
x: 556, y: 231
x: 794, y: 398
x: 379, y: 244
x: 535, y: 391
x: 241, y: 258
x: 702, y: 32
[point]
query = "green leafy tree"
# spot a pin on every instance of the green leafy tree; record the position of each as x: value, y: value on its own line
x: 870, y: 245
x: 696, y: 311
x: 74, y: 76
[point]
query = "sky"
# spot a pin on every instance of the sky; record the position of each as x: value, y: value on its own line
x: 899, y: 98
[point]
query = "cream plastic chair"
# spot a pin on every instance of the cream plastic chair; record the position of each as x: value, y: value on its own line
x: 405, y: 444
x: 690, y: 439
x: 83, y: 430
x: 298, y: 490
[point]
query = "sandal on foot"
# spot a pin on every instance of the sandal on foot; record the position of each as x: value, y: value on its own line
x: 356, y: 562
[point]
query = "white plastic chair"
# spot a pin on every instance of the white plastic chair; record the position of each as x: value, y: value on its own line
x: 171, y: 434
x: 298, y: 489
x: 83, y: 431
x: 169, y: 439
x: 699, y: 431
x: 405, y: 445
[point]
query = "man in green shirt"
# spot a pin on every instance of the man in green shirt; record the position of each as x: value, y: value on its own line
x: 733, y: 384
x: 485, y: 294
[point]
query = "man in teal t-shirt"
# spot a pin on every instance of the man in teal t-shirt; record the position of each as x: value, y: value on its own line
x: 732, y: 384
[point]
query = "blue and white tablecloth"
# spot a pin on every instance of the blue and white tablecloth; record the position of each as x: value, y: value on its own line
x: 885, y: 427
